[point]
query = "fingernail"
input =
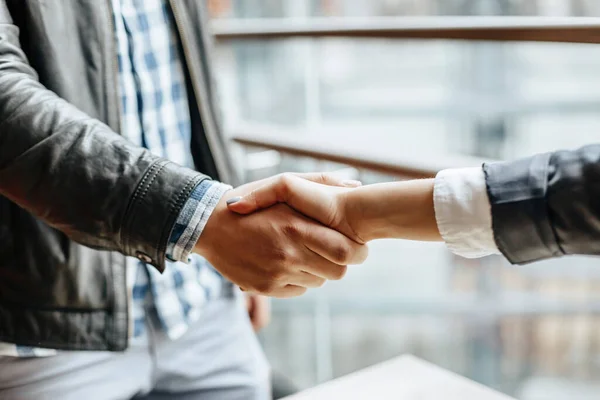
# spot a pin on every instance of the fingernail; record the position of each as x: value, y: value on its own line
x: 351, y: 183
x: 234, y: 200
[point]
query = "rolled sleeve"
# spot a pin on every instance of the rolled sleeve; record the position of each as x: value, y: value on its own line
x: 463, y: 214
x: 192, y: 219
x: 539, y: 210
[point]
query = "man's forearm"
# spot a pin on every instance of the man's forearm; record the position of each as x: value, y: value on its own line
x: 77, y: 175
x: 402, y: 210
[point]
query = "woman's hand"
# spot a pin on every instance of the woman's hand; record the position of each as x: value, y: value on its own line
x: 278, y: 252
x: 326, y: 204
x: 402, y: 210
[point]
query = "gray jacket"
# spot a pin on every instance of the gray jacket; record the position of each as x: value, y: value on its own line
x: 547, y: 205
x: 75, y: 197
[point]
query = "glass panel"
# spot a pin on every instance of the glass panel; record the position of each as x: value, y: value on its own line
x: 496, y: 100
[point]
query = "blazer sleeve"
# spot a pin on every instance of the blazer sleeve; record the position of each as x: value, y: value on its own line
x: 547, y: 205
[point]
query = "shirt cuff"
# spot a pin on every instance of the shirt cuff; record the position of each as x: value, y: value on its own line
x: 192, y: 219
x: 463, y: 212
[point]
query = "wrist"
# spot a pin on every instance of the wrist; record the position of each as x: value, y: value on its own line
x: 204, y: 242
x: 362, y: 216
x: 402, y: 210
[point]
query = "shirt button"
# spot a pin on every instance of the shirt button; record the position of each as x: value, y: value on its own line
x: 144, y: 257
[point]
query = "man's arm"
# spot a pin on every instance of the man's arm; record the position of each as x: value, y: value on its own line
x: 402, y: 210
x: 74, y: 173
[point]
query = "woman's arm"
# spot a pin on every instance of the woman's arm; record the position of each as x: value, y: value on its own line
x: 403, y: 210
x: 531, y: 209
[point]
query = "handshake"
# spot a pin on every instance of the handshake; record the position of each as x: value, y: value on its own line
x: 285, y: 234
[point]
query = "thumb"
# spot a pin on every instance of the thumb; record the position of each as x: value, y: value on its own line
x: 329, y: 179
x: 275, y: 191
x: 262, y: 197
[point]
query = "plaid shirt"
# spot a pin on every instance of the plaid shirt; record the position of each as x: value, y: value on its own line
x: 155, y: 114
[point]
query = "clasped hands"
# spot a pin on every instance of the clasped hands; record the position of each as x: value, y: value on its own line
x: 285, y: 234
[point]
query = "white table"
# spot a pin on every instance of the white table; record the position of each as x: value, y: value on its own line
x: 402, y: 378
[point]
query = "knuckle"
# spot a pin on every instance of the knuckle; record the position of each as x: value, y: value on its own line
x: 291, y: 230
x: 251, y: 196
x: 265, y: 286
x: 285, y: 183
x: 325, y: 177
x: 278, y: 256
x: 278, y: 275
x: 282, y: 258
x: 285, y: 177
x: 342, y: 254
x: 339, y: 273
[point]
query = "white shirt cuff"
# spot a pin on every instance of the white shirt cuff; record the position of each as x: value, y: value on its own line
x: 463, y: 213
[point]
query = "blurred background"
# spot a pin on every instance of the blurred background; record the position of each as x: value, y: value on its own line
x: 532, y: 332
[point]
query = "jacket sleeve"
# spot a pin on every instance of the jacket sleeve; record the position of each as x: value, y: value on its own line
x: 74, y: 173
x: 547, y: 205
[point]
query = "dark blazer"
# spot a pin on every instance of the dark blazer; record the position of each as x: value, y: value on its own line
x: 547, y: 205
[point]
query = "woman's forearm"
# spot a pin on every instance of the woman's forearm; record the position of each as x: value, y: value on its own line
x: 403, y: 210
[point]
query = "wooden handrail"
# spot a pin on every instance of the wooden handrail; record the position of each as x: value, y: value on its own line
x: 376, y: 156
x: 542, y: 29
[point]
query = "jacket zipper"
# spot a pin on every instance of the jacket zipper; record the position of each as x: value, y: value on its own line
x: 217, y: 156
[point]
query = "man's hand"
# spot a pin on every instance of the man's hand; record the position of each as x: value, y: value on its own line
x: 259, y: 311
x: 276, y: 252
